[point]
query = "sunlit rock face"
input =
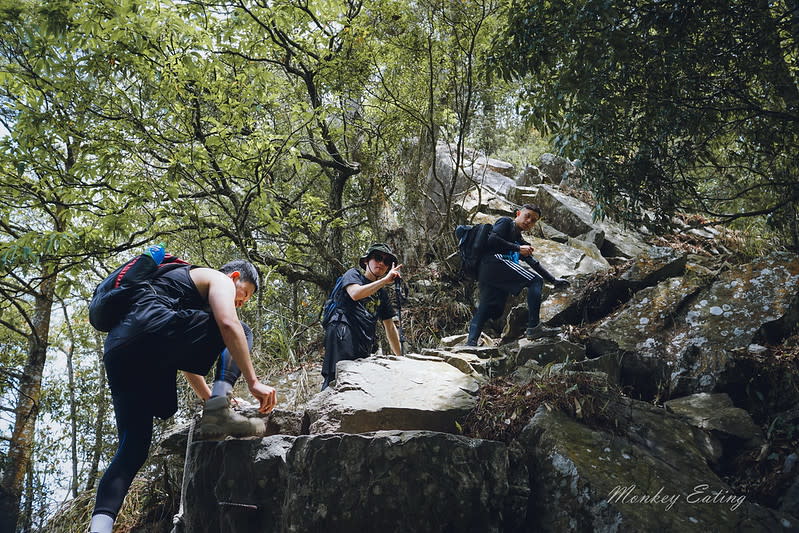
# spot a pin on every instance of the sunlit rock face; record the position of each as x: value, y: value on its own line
x: 586, y: 303
x: 392, y: 393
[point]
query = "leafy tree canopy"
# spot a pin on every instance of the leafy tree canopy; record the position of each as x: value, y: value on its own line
x: 669, y: 105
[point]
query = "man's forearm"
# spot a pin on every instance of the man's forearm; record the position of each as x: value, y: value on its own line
x: 359, y: 292
x: 393, y: 336
x: 538, y: 267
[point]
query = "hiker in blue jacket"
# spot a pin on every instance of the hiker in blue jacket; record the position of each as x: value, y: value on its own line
x: 183, y: 320
x: 360, y: 303
x: 501, y: 274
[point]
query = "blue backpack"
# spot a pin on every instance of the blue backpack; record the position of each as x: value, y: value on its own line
x: 331, y: 304
x: 472, y: 241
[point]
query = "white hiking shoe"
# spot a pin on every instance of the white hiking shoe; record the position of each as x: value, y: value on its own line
x: 219, y: 420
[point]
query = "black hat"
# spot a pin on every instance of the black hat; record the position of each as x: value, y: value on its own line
x: 377, y: 247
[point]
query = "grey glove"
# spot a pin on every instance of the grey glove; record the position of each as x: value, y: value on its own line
x: 560, y: 283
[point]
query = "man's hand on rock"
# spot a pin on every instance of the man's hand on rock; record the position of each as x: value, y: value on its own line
x: 266, y: 396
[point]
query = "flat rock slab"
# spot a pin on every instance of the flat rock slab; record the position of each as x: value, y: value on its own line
x: 549, y: 350
x: 471, y: 363
x: 387, y: 393
x: 561, y: 260
x: 715, y: 412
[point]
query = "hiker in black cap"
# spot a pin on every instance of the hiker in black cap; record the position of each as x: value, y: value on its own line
x: 501, y: 274
x: 360, y: 302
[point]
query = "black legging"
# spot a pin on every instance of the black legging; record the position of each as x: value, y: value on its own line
x: 226, y: 368
x: 135, y: 432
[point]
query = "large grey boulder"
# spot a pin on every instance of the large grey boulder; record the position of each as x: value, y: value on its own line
x: 417, y: 481
x: 587, y: 302
x: 477, y: 199
x: 474, y: 170
x: 574, y: 217
x: 548, y: 232
x: 685, y: 332
x: 530, y: 175
x: 520, y: 194
x: 548, y: 350
x: 575, y: 257
x: 236, y: 486
x: 757, y: 303
x: 490, y: 180
x: 388, y: 481
x: 632, y: 339
x: 650, y: 474
x: 378, y: 393
x: 478, y: 163
x: 717, y: 414
x: 556, y: 169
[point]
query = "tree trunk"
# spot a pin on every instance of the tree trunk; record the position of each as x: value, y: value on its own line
x: 27, y: 409
x: 73, y: 420
x: 73, y: 417
x: 98, y: 425
x: 27, y: 515
x: 336, y: 202
x: 489, y: 129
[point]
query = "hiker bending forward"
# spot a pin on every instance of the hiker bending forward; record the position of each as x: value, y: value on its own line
x: 360, y: 302
x: 501, y: 274
x: 183, y: 320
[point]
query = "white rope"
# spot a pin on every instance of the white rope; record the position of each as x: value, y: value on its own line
x: 177, y: 520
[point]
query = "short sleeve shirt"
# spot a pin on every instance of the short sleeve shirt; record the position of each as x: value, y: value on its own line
x: 362, y: 315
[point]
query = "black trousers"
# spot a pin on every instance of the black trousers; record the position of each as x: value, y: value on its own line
x: 133, y: 410
x: 339, y: 346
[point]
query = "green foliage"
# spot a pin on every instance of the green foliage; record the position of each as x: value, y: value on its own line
x: 670, y: 105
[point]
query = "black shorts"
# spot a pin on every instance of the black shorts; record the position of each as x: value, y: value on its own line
x: 142, y: 367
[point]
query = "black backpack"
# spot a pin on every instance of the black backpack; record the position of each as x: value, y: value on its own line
x: 472, y: 241
x: 112, y: 296
x: 331, y: 304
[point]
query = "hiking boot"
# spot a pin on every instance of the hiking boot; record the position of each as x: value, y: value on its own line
x: 220, y: 420
x: 540, y: 331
